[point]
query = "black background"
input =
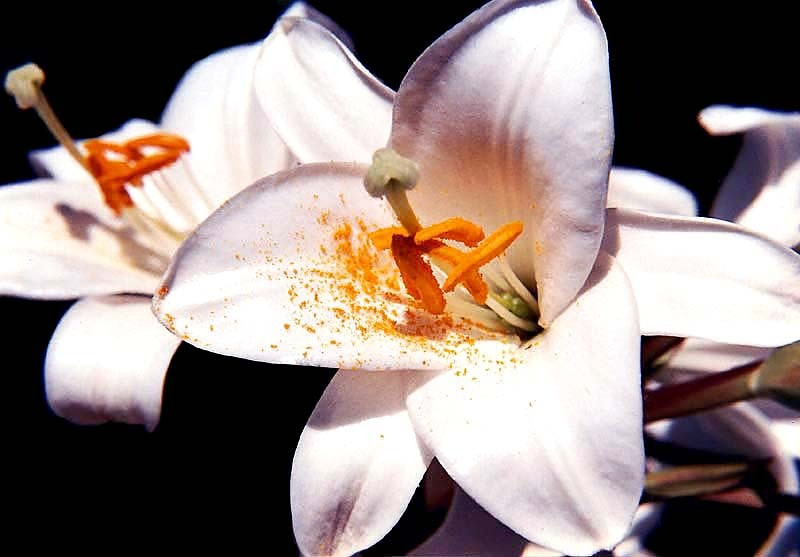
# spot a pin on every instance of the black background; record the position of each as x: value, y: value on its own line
x: 215, y: 473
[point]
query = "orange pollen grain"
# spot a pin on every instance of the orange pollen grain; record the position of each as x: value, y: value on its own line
x: 117, y: 165
x: 455, y: 228
x: 490, y: 248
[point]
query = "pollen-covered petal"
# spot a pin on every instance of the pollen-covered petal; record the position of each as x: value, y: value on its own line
x: 285, y: 272
x: 762, y: 190
x: 107, y: 361
x: 527, y: 139
x: 59, y: 164
x: 322, y: 102
x: 60, y: 242
x: 707, y: 278
x: 631, y: 188
x: 551, y: 444
x: 357, y: 464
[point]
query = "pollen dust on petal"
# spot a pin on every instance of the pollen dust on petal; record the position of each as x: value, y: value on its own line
x: 354, y: 293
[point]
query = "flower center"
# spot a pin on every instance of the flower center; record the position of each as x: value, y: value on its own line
x: 415, y: 248
x: 117, y: 165
x: 123, y: 170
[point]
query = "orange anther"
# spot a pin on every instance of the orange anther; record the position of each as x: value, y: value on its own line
x: 490, y: 248
x: 382, y: 238
x: 473, y: 281
x: 117, y: 165
x: 417, y: 274
x: 455, y: 228
x: 162, y: 140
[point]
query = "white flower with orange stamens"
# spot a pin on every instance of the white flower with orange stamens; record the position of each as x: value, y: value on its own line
x: 109, y: 355
x: 503, y: 124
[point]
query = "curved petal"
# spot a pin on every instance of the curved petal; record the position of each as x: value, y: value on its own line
x: 470, y: 530
x: 254, y: 149
x: 646, y: 518
x: 107, y: 361
x: 303, y: 10
x: 707, y: 278
x: 697, y: 356
x: 527, y: 139
x: 631, y: 188
x: 231, y: 140
x: 762, y: 190
x: 551, y: 444
x: 284, y: 272
x: 323, y: 103
x: 59, y: 164
x: 726, y: 120
x: 357, y: 464
x: 60, y: 241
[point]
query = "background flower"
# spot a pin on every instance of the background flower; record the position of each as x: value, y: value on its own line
x: 219, y: 448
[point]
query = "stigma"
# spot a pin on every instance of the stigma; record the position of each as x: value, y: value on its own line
x: 421, y: 252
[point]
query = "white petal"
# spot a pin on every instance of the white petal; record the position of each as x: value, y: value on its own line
x: 784, y: 424
x: 60, y: 241
x: 697, y: 356
x: 551, y: 443
x: 762, y: 191
x: 632, y: 188
x: 303, y: 10
x: 56, y: 162
x: 509, y: 117
x: 357, y: 464
x: 726, y: 120
x: 707, y: 278
x: 284, y: 273
x: 253, y: 148
x: 322, y: 102
x: 231, y: 141
x: 470, y: 530
x: 107, y: 361
x: 646, y: 518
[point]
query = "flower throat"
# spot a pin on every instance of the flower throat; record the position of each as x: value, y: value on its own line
x: 498, y: 300
x: 120, y: 169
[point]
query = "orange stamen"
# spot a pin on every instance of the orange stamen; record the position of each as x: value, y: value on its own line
x: 455, y: 228
x: 117, y: 165
x: 382, y: 238
x: 490, y: 248
x: 417, y: 274
x: 473, y: 281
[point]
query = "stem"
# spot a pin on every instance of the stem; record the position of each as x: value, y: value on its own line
x: 697, y: 395
x: 656, y: 346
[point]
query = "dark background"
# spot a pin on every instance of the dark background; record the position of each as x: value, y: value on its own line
x: 215, y: 473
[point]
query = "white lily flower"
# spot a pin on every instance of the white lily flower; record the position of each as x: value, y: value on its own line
x: 508, y: 118
x: 108, y: 357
